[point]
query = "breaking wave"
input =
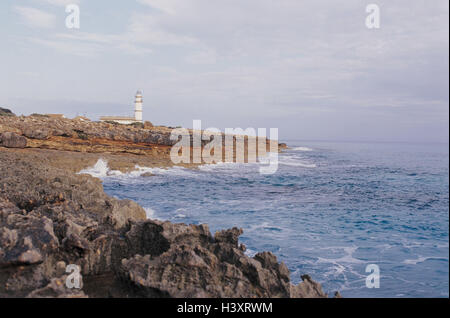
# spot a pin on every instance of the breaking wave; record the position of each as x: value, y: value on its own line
x: 100, y: 170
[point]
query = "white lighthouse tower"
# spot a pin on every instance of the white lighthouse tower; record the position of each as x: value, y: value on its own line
x: 125, y: 120
x: 138, y: 106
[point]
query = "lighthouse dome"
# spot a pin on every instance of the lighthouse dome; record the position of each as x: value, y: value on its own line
x: 139, y: 92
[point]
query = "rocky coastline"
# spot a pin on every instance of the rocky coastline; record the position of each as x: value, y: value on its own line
x: 51, y: 217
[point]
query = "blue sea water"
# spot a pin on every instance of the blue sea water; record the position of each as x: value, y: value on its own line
x: 329, y: 211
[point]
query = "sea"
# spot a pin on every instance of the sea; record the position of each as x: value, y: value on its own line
x: 332, y: 210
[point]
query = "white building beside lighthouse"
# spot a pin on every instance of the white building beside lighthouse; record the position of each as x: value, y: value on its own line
x: 138, y: 101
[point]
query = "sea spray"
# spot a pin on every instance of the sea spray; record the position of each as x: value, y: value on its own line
x: 99, y: 170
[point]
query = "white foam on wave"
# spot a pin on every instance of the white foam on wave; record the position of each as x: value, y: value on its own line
x: 100, y: 170
x: 150, y: 213
x: 286, y: 160
x: 415, y: 261
x: 232, y: 167
x: 347, y: 258
x: 264, y: 226
x: 250, y: 253
x: 175, y: 171
x: 180, y: 213
x: 302, y: 149
x: 220, y: 166
x: 422, y: 259
x: 297, y: 163
x: 271, y: 157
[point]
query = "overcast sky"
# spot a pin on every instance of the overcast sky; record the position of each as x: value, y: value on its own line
x: 310, y: 68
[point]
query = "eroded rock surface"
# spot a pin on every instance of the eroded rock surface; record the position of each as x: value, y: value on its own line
x: 12, y: 140
x: 189, y: 262
x: 51, y: 217
x: 45, y: 132
x: 86, y: 136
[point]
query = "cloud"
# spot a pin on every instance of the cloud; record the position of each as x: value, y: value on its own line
x: 59, y: 3
x: 206, y: 56
x: 96, y: 43
x: 146, y: 29
x: 141, y: 36
x: 166, y: 6
x: 33, y: 17
x: 83, y: 50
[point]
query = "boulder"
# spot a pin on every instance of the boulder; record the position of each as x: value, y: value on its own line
x: 185, y: 261
x: 27, y: 240
x: 124, y: 210
x: 309, y: 289
x: 12, y: 140
x: 35, y: 133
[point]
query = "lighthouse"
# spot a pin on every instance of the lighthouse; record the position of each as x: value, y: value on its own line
x: 138, y: 106
x: 125, y: 120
